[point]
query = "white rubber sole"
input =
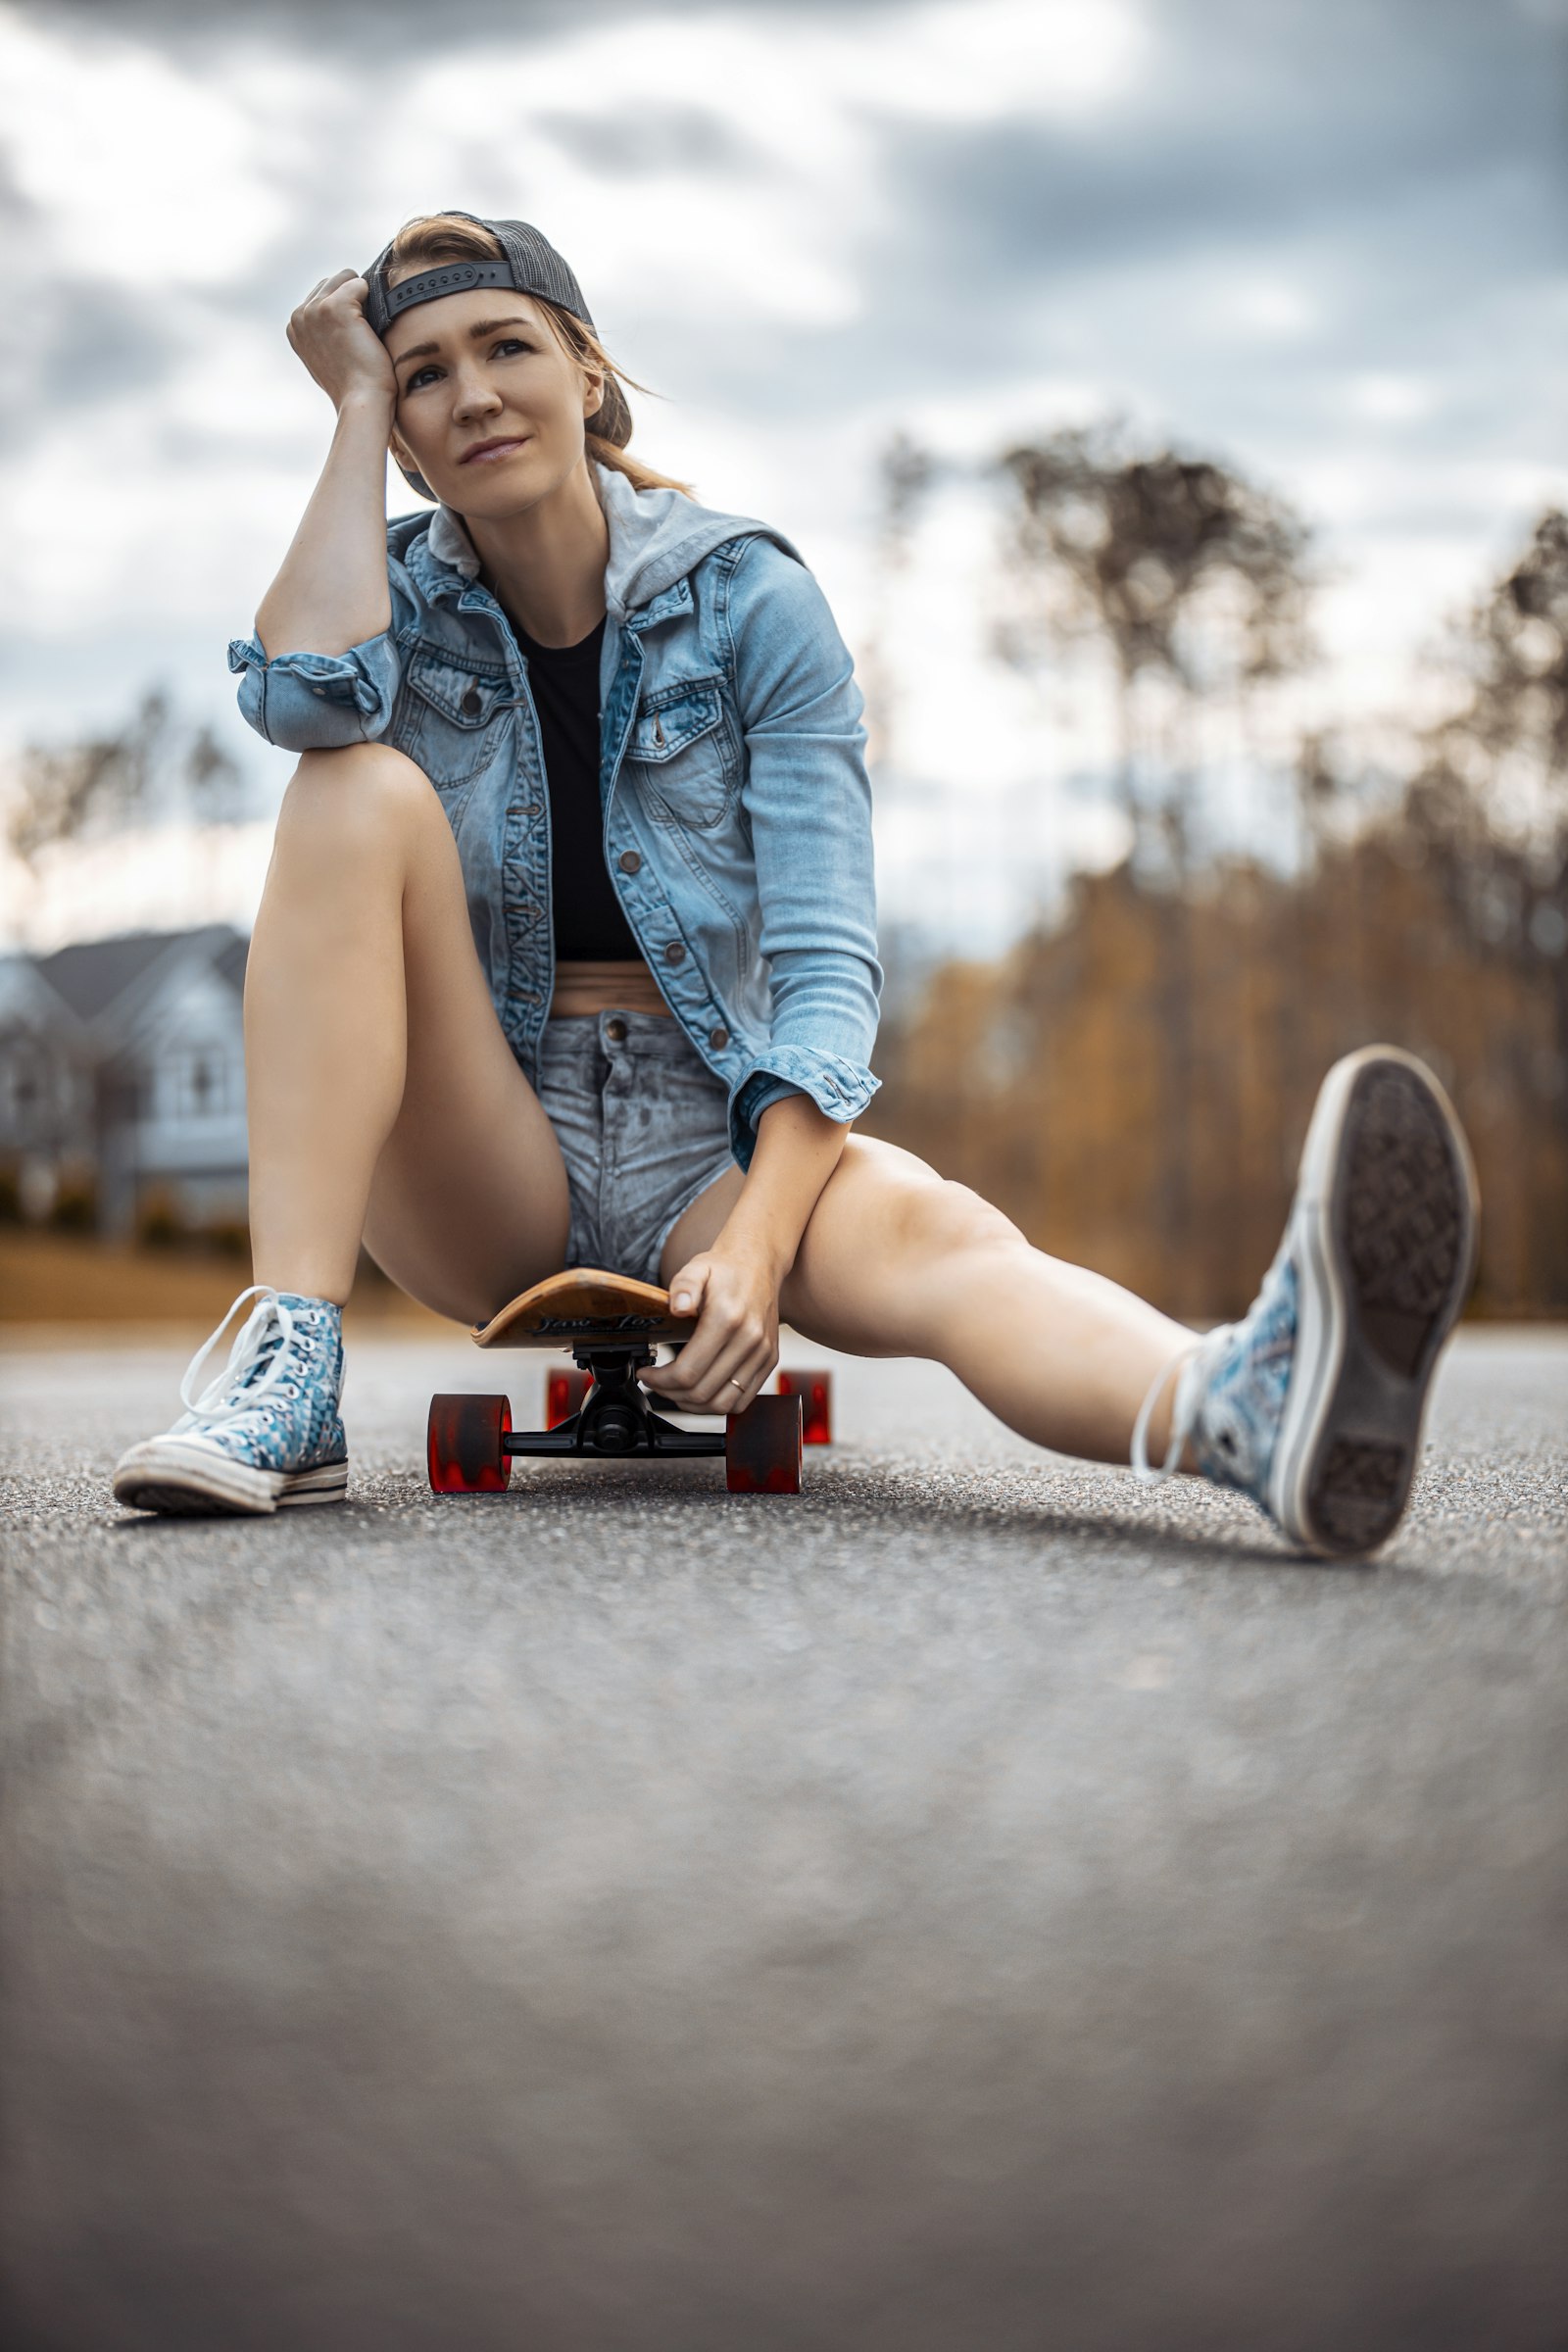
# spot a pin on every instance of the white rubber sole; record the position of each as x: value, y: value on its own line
x: 1384, y: 1229
x: 184, y: 1478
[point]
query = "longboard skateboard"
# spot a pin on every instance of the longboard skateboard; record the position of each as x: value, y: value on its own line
x: 611, y: 1326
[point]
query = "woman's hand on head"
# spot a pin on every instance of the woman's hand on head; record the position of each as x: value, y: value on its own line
x: 734, y: 1295
x: 337, y: 343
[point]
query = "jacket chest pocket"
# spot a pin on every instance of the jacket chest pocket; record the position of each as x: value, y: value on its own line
x: 682, y: 754
x: 450, y: 717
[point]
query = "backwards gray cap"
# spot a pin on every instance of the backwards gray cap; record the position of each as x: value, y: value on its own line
x: 527, y: 263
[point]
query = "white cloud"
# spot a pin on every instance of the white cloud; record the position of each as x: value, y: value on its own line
x: 141, y: 169
x: 1265, y: 309
x: 1390, y: 399
x: 971, y: 60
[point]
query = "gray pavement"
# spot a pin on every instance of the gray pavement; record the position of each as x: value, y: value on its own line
x: 974, y: 1906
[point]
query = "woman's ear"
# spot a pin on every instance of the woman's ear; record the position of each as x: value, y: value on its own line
x: 595, y: 386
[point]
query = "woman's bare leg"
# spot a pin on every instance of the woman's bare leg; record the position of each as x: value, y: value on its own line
x: 384, y: 1101
x: 897, y: 1262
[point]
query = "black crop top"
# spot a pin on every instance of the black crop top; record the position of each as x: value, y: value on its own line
x: 589, y: 926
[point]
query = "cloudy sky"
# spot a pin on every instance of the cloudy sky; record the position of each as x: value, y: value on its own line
x: 1321, y: 239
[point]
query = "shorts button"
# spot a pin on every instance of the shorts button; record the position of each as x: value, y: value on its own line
x: 719, y: 1039
x: 472, y: 705
x: 674, y: 953
x: 616, y: 1031
x: 629, y: 862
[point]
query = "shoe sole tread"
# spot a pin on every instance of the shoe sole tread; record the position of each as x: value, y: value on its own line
x: 1389, y: 1224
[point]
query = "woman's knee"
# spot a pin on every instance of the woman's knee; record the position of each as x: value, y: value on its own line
x: 939, y: 1220
x: 889, y: 1249
x: 950, y: 1221
x: 365, y: 800
x: 910, y: 1215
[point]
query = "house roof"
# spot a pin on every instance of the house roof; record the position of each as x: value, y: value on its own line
x: 93, y: 976
x: 230, y: 960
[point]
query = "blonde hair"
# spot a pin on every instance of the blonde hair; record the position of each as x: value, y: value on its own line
x: 436, y: 237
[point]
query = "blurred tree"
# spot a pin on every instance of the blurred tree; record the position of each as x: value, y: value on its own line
x: 1515, y: 652
x: 1490, y: 801
x: 1189, y: 576
x: 906, y: 474
x: 1434, y: 917
x: 1197, y: 583
x: 153, y: 765
x: 214, y: 782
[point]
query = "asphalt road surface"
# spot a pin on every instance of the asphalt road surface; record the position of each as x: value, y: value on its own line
x: 974, y: 1906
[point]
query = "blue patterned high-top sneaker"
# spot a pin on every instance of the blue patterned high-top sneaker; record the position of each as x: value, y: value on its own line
x: 1313, y: 1404
x: 266, y: 1430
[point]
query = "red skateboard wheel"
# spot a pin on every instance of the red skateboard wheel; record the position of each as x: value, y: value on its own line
x: 565, y: 1393
x: 463, y: 1445
x: 816, y: 1393
x: 762, y: 1448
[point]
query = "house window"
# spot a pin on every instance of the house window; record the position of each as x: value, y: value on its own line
x: 26, y: 1092
x: 199, y: 1083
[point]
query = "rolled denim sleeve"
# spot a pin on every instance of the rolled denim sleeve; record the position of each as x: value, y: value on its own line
x: 318, y: 702
x: 807, y: 801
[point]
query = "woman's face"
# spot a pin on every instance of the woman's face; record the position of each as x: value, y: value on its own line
x: 490, y: 408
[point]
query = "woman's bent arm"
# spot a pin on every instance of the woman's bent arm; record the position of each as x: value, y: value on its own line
x: 331, y: 590
x: 733, y: 1288
x: 797, y: 1148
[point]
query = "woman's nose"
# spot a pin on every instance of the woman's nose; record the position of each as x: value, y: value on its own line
x: 474, y: 397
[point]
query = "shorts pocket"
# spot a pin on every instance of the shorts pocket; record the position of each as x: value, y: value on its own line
x: 682, y: 754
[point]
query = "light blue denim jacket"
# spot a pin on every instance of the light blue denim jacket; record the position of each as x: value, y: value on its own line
x: 737, y: 811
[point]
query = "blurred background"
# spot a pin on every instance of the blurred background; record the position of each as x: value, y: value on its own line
x: 1168, y: 395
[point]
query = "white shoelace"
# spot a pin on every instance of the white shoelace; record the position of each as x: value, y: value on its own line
x: 224, y: 1399
x: 1190, y: 1385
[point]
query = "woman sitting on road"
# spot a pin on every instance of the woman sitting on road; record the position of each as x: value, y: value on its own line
x: 567, y: 955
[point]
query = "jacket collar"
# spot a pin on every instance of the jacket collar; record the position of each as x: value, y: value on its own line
x: 657, y: 537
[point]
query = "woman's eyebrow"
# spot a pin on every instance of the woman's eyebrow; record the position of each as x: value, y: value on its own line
x: 483, y: 326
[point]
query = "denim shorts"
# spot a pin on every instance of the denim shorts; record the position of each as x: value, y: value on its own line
x: 642, y: 1126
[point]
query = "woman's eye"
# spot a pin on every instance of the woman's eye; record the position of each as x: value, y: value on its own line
x: 506, y: 343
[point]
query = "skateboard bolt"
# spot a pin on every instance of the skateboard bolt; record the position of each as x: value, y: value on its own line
x: 614, y: 1430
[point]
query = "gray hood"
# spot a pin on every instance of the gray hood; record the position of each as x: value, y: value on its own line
x: 655, y: 538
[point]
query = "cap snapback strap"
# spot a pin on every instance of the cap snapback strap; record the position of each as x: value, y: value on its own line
x: 453, y: 277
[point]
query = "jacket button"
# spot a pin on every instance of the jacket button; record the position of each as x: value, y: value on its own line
x: 472, y: 705
x: 629, y: 862
x: 674, y: 953
x: 616, y: 1031
x: 719, y: 1039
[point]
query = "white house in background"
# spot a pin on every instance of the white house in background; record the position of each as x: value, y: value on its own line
x: 122, y: 1060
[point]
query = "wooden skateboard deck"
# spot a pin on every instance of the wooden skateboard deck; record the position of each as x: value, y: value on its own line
x: 581, y: 1305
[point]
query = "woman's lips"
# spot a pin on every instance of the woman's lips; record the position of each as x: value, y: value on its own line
x: 489, y: 451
